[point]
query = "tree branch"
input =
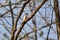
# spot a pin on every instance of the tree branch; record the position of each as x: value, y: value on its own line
x: 24, y: 22
x: 18, y: 16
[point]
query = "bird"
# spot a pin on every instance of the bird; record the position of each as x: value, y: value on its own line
x: 25, y: 17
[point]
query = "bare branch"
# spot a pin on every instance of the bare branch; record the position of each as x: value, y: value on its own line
x: 15, y: 24
x: 24, y: 22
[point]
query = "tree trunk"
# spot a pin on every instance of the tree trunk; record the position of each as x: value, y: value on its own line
x: 57, y: 14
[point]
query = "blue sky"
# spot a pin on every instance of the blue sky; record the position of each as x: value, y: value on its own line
x: 27, y: 29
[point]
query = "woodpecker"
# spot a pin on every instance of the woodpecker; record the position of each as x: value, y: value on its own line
x: 25, y: 17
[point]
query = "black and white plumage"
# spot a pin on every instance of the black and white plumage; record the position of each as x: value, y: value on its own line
x: 25, y: 17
